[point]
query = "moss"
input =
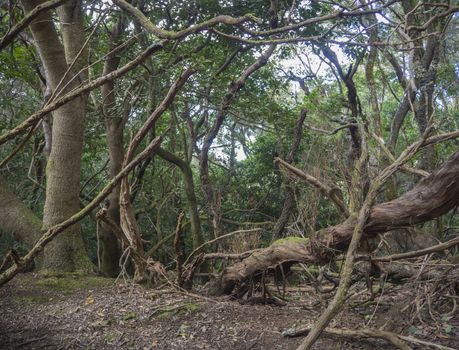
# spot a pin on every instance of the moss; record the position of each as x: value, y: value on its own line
x: 81, y: 261
x: 164, y: 315
x: 191, y: 307
x: 110, y: 338
x: 313, y: 269
x: 31, y: 299
x: 187, y: 307
x: 68, y: 284
x: 130, y: 316
x: 292, y: 239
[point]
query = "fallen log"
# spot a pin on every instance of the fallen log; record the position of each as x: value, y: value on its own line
x: 432, y: 197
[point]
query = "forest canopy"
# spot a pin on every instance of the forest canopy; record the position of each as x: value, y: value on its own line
x: 227, y: 138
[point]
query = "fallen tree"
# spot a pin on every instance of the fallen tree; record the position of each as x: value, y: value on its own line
x: 432, y: 197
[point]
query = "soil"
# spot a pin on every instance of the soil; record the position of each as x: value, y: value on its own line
x: 99, y: 313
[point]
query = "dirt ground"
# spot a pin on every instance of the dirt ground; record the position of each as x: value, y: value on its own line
x: 99, y: 313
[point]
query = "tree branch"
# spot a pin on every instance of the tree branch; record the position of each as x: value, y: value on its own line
x: 31, y: 120
x: 170, y: 35
x: 23, y: 23
x: 55, y: 230
x: 329, y: 192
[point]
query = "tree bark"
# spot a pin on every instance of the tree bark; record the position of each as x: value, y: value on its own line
x: 190, y: 194
x: 128, y: 221
x: 16, y: 219
x: 432, y: 197
x: 425, y: 58
x: 66, y: 253
x: 114, y: 124
x: 289, y: 194
x: 230, y: 96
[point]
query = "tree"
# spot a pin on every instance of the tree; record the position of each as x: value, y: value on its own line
x: 67, y: 253
x: 196, y: 101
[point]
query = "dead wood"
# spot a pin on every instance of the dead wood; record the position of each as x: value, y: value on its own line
x: 413, y: 254
x: 396, y: 339
x: 198, y: 249
x: 346, y: 275
x: 433, y: 196
x: 229, y: 256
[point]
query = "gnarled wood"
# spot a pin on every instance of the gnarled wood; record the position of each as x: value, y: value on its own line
x: 430, y: 198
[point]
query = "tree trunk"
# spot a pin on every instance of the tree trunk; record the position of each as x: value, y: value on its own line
x: 228, y: 99
x: 66, y: 253
x: 190, y: 194
x: 287, y: 208
x: 114, y: 123
x: 16, y: 219
x: 110, y: 247
x: 432, y: 197
x: 289, y: 194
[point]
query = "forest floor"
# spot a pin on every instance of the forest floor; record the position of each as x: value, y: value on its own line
x: 99, y: 313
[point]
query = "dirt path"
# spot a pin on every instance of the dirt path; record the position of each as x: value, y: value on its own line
x: 96, y: 313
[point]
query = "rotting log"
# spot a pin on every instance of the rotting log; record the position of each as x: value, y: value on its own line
x: 432, y: 197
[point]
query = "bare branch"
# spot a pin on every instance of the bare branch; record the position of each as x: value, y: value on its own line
x: 218, y: 239
x: 31, y: 120
x: 55, y: 230
x: 413, y: 254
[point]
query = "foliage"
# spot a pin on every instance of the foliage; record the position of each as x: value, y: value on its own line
x: 258, y: 125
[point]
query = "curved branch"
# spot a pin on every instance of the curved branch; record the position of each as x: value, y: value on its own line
x: 55, y: 230
x: 31, y: 120
x: 431, y: 198
x: 22, y: 24
x: 329, y: 192
x: 170, y: 35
